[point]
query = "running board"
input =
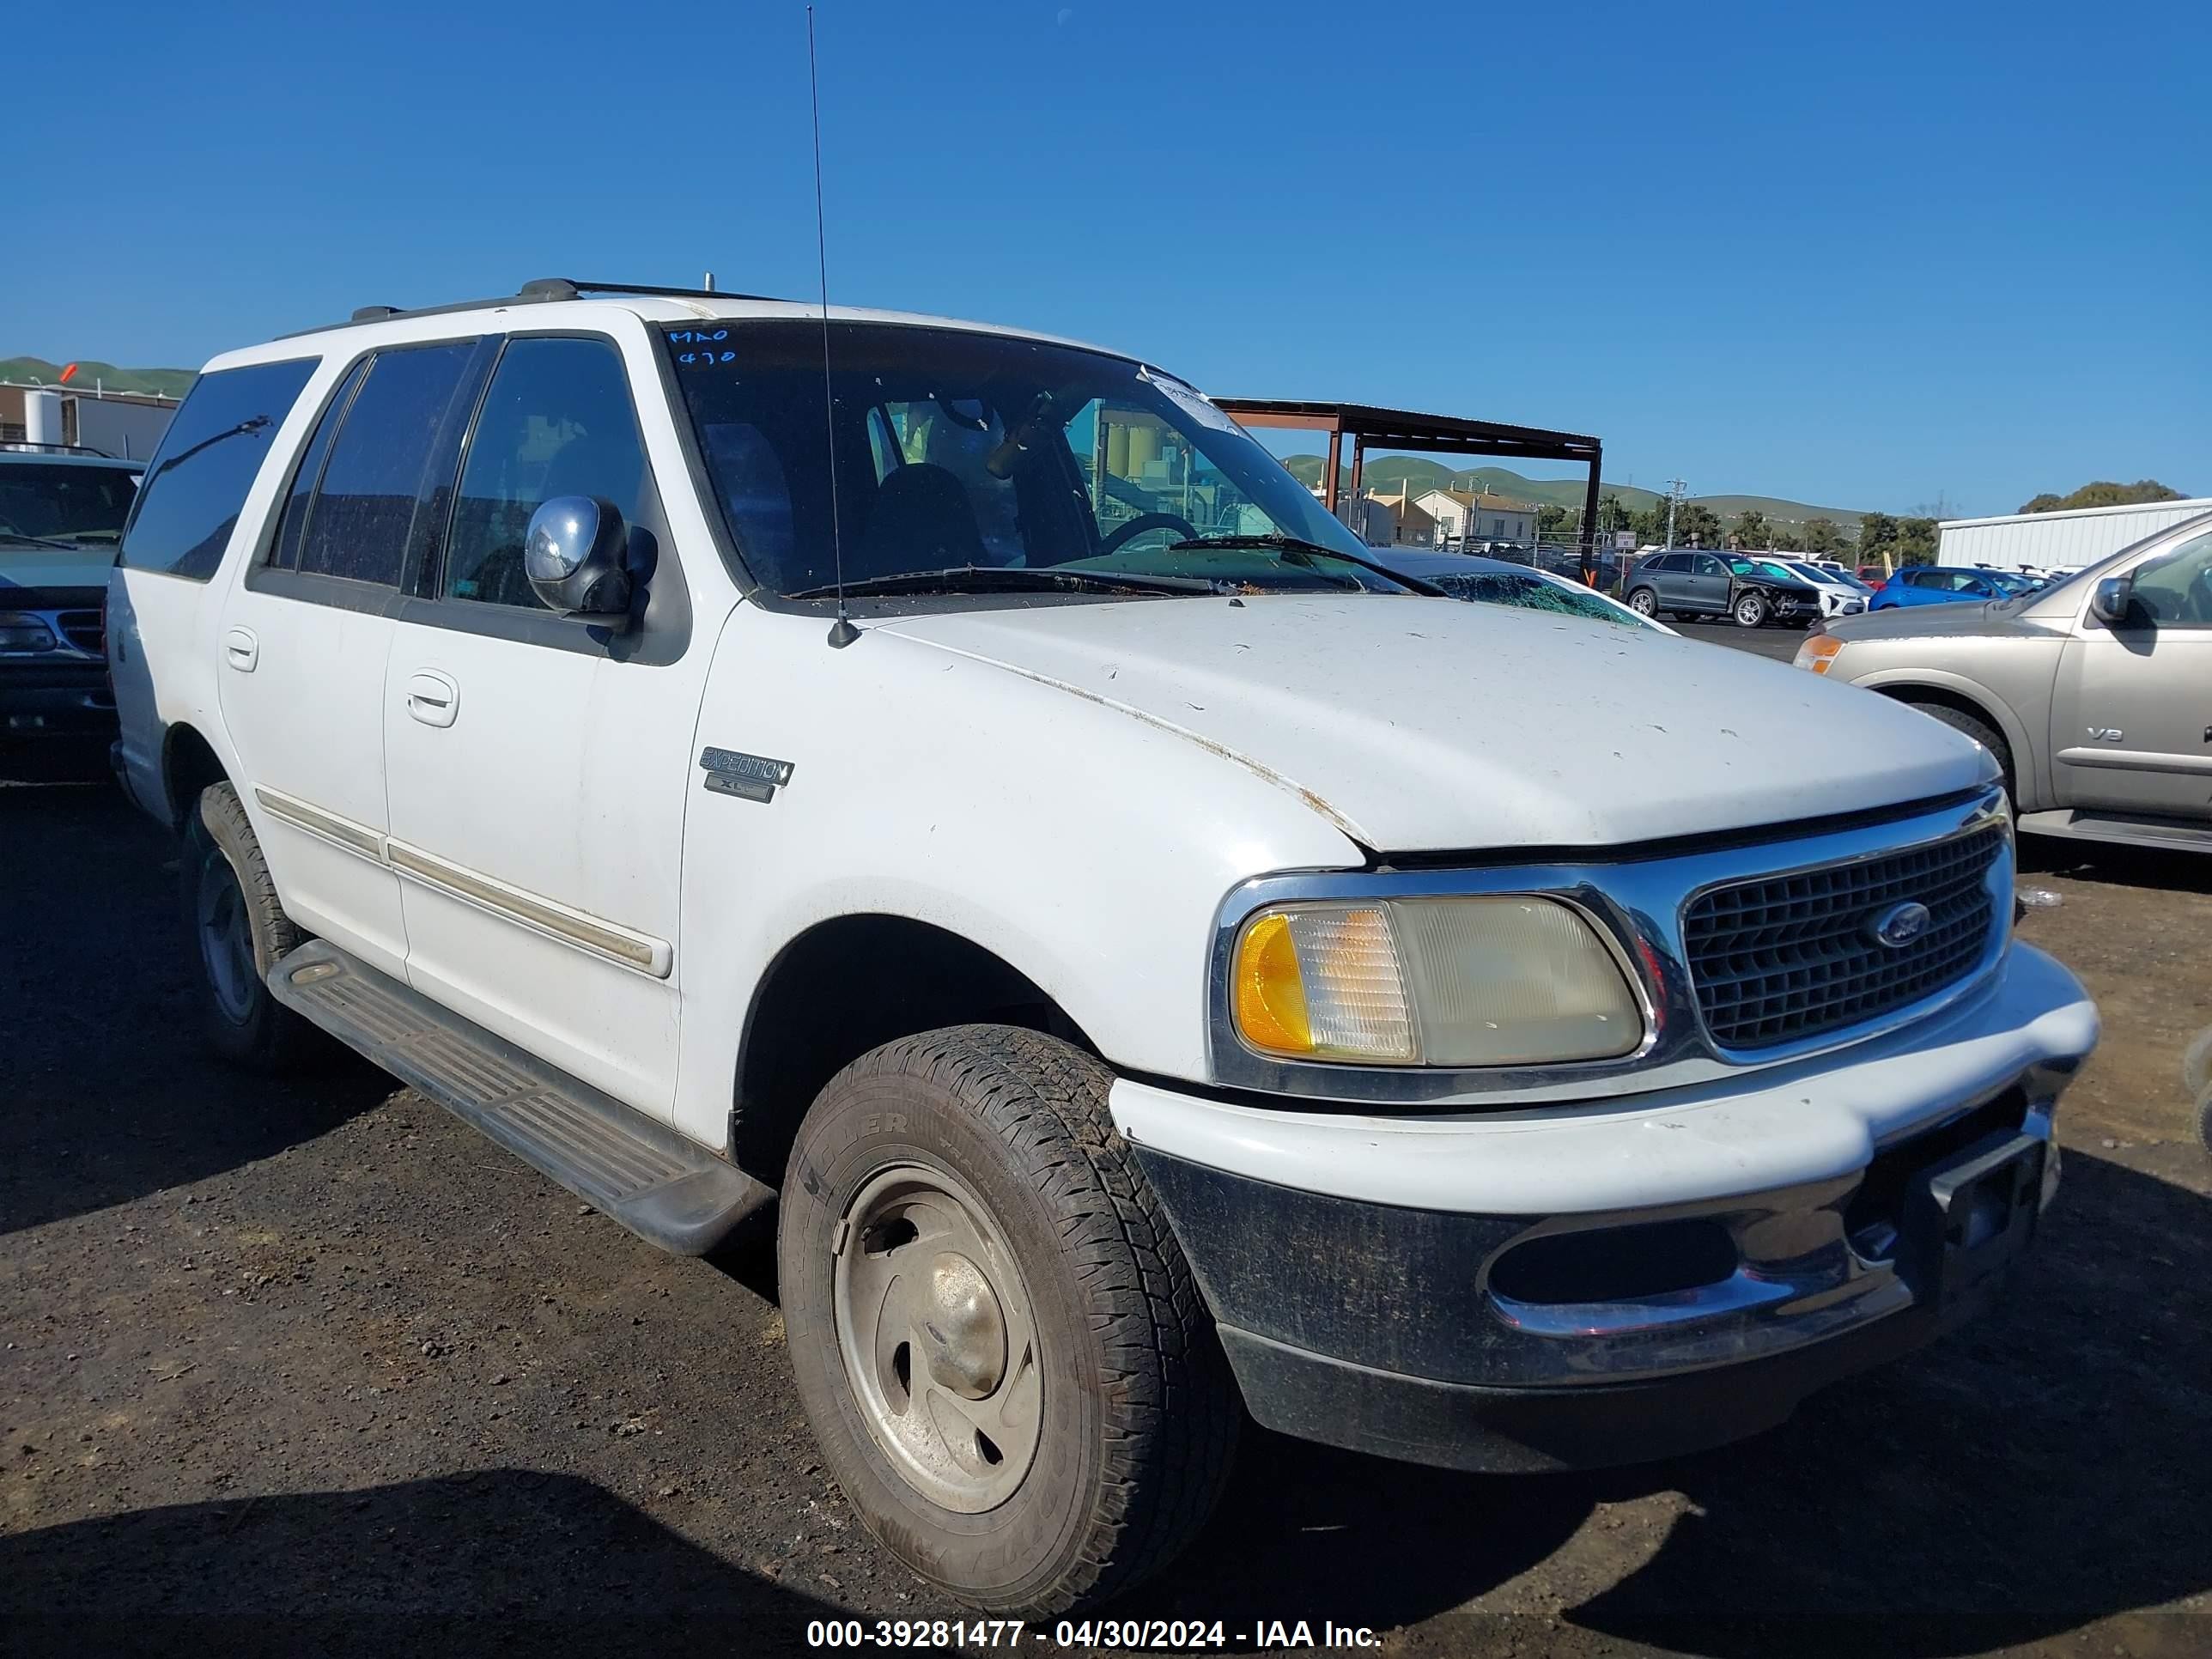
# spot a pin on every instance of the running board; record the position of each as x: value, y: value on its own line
x: 2130, y: 832
x: 662, y: 1186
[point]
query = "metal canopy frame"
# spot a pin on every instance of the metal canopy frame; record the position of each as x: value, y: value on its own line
x: 1403, y: 428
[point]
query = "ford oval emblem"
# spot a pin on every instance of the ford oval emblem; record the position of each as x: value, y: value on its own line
x: 1900, y: 925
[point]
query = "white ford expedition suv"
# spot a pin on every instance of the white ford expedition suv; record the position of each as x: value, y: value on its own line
x: 1163, y: 968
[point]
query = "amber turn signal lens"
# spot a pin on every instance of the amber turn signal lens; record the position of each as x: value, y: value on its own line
x: 1271, y: 997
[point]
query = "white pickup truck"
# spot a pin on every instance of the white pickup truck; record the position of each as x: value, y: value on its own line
x: 1163, y: 968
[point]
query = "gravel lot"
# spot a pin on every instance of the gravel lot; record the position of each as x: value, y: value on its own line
x: 309, y: 1367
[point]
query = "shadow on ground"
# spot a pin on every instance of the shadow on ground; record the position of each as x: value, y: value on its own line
x: 502, y: 1560
x: 105, y: 1092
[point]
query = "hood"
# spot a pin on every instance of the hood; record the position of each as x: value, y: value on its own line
x: 52, y: 568
x: 1435, y: 725
x: 1964, y: 619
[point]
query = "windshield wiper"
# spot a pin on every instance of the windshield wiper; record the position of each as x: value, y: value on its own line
x: 1298, y: 551
x: 1010, y: 579
x: 36, y: 541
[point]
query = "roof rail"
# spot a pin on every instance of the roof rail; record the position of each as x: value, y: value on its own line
x: 540, y: 290
x: 41, y: 447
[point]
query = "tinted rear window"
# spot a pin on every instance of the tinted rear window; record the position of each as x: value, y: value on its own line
x: 196, y: 483
x: 365, y: 505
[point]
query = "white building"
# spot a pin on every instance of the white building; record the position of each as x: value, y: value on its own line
x: 125, y: 423
x: 2058, y: 541
x: 1463, y: 515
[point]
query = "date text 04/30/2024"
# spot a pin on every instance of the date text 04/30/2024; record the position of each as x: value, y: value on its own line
x: 1163, y: 1634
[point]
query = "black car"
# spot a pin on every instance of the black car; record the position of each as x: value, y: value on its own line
x: 1692, y: 582
x: 61, y: 516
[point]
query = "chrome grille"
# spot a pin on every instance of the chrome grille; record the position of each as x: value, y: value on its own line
x: 81, y: 628
x: 1787, y: 957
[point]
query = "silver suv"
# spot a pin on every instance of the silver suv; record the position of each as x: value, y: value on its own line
x: 2094, y: 695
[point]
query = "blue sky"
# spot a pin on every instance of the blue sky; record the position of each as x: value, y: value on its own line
x: 1866, y: 256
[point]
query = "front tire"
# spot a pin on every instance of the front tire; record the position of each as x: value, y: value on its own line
x: 1751, y: 611
x: 997, y: 1339
x: 238, y: 930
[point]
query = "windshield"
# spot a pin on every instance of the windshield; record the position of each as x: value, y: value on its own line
x: 1759, y: 567
x: 1532, y: 592
x: 959, y: 451
x: 64, y: 502
x: 2008, y: 585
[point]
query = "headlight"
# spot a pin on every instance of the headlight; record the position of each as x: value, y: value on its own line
x: 24, y: 634
x: 1503, y: 980
x: 1817, y: 653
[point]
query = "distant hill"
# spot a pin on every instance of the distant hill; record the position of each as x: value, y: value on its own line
x: 168, y: 382
x: 1387, y: 472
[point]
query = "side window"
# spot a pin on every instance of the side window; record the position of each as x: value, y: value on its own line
x: 364, y: 510
x: 2175, y: 588
x: 1667, y: 564
x: 284, y: 555
x: 196, y: 484
x: 1706, y: 565
x: 557, y: 421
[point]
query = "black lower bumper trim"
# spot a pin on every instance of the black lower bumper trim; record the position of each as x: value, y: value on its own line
x: 1510, y: 1431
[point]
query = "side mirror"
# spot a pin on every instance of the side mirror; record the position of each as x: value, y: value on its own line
x: 2112, y: 601
x: 574, y: 555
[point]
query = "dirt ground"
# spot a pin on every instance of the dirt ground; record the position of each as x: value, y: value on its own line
x: 309, y: 1367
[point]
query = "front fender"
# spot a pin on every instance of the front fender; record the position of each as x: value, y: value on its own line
x: 1086, y: 847
x: 2030, y: 782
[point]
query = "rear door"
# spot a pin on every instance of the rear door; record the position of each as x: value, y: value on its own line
x: 1667, y: 573
x: 306, y: 632
x: 2131, y: 716
x: 539, y: 764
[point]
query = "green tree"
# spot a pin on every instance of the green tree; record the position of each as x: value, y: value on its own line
x: 1822, y: 537
x: 1613, y: 513
x: 1787, y: 540
x: 1877, y: 538
x: 1751, y: 527
x: 1694, y: 526
x: 1551, y: 517
x: 2103, y: 493
x: 1916, y: 541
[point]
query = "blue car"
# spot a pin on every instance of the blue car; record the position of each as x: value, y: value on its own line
x: 1934, y: 584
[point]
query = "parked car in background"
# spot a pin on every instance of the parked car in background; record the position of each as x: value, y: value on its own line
x: 1692, y: 583
x: 61, y: 513
x: 1154, y: 981
x: 2094, y: 694
x: 1873, y: 575
x: 1497, y: 581
x: 1840, y: 595
x: 1938, y: 584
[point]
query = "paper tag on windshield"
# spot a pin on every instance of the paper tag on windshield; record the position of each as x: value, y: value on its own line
x: 1189, y: 399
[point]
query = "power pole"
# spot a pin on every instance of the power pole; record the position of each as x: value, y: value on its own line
x: 1675, y: 487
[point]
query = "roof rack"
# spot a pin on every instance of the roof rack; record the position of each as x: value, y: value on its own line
x: 540, y: 290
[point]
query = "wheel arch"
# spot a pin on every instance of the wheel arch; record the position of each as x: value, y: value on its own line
x: 188, y: 764
x: 2024, y: 776
x: 850, y: 983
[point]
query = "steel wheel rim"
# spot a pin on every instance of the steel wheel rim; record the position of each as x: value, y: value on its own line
x: 937, y: 1337
x: 227, y: 940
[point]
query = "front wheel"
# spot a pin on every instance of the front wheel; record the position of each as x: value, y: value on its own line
x: 1644, y: 602
x: 996, y: 1338
x: 1751, y: 611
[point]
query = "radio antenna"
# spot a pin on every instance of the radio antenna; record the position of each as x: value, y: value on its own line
x: 842, y: 632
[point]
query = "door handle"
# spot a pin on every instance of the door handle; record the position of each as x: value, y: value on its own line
x: 432, y: 698
x: 241, y: 650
